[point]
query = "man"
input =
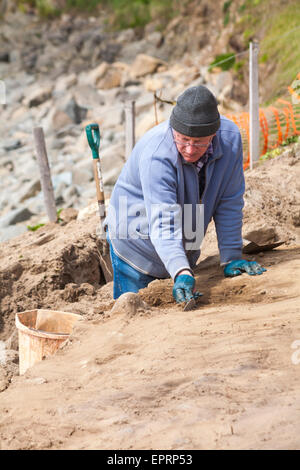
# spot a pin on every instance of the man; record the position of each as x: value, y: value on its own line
x: 155, y: 215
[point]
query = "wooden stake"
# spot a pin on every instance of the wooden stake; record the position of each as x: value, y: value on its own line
x: 253, y: 103
x: 129, y: 127
x: 45, y: 175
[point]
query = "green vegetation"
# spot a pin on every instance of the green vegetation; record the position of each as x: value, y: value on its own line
x: 224, y: 61
x: 278, y: 150
x: 123, y: 13
x: 33, y: 228
x: 281, y: 43
x: 45, y: 8
x: 226, y: 11
x: 135, y: 13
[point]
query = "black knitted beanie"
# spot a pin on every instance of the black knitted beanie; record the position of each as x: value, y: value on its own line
x: 196, y: 113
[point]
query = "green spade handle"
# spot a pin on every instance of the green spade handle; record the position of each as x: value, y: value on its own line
x: 93, y: 137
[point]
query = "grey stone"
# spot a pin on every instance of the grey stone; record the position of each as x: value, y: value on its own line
x: 87, y: 96
x: 11, y: 232
x: 83, y: 173
x: 29, y: 190
x: 75, y: 112
x: 71, y: 191
x: 12, y: 144
x: 38, y: 96
x: 13, y: 217
x: 65, y: 177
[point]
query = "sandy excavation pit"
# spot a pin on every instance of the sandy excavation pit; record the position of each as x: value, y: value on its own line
x: 224, y: 375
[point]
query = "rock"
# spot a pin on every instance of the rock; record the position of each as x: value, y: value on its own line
x: 66, y: 215
x: 38, y: 96
x: 111, y: 79
x: 147, y: 121
x: 129, y: 303
x: 106, y: 116
x: 112, y: 161
x: 70, y: 192
x: 29, y: 190
x: 56, y: 120
x: 144, y: 65
x: 144, y: 103
x: 64, y: 177
x: 12, y: 144
x: 75, y: 112
x: 83, y: 172
x: 155, y: 38
x: 88, y: 211
x: 262, y: 235
x: 296, y: 219
x: 65, y: 82
x: 125, y: 36
x: 96, y: 74
x: 87, y: 96
x: 107, y: 76
x: 11, y: 232
x: 13, y: 217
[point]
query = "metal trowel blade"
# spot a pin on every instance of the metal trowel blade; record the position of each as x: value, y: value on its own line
x: 190, y: 304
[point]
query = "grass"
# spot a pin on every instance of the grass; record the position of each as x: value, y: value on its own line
x: 224, y: 61
x: 123, y: 13
x: 33, y: 228
x: 281, y: 43
x: 278, y: 150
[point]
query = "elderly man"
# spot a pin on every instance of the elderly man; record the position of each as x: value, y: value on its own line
x: 180, y: 175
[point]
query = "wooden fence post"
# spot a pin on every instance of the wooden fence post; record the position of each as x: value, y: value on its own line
x: 253, y: 103
x: 45, y: 175
x: 129, y: 127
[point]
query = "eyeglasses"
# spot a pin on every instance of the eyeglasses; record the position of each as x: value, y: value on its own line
x: 188, y: 144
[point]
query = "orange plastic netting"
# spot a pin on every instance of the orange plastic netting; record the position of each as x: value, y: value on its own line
x: 277, y: 123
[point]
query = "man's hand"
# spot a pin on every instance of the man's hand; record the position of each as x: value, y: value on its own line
x: 235, y: 268
x: 183, y: 289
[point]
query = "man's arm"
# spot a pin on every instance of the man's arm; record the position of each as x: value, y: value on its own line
x: 159, y: 184
x: 228, y: 216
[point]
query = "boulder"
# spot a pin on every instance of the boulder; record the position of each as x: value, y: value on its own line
x: 66, y: 215
x: 65, y: 82
x: 130, y: 304
x: 82, y: 173
x: 12, y: 231
x: 144, y: 65
x: 107, y: 76
x: 87, y: 96
x: 13, y: 217
x: 262, y: 235
x: 29, y: 190
x: 38, y: 96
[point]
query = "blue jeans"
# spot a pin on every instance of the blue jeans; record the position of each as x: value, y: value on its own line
x: 126, y: 278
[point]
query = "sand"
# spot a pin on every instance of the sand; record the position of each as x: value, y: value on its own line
x: 223, y: 376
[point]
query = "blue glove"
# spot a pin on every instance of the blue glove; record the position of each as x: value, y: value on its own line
x: 183, y: 289
x: 235, y: 268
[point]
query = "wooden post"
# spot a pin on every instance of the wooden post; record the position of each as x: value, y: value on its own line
x: 129, y: 127
x: 45, y: 175
x: 253, y: 103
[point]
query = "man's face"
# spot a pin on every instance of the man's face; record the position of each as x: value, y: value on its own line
x: 191, y: 148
